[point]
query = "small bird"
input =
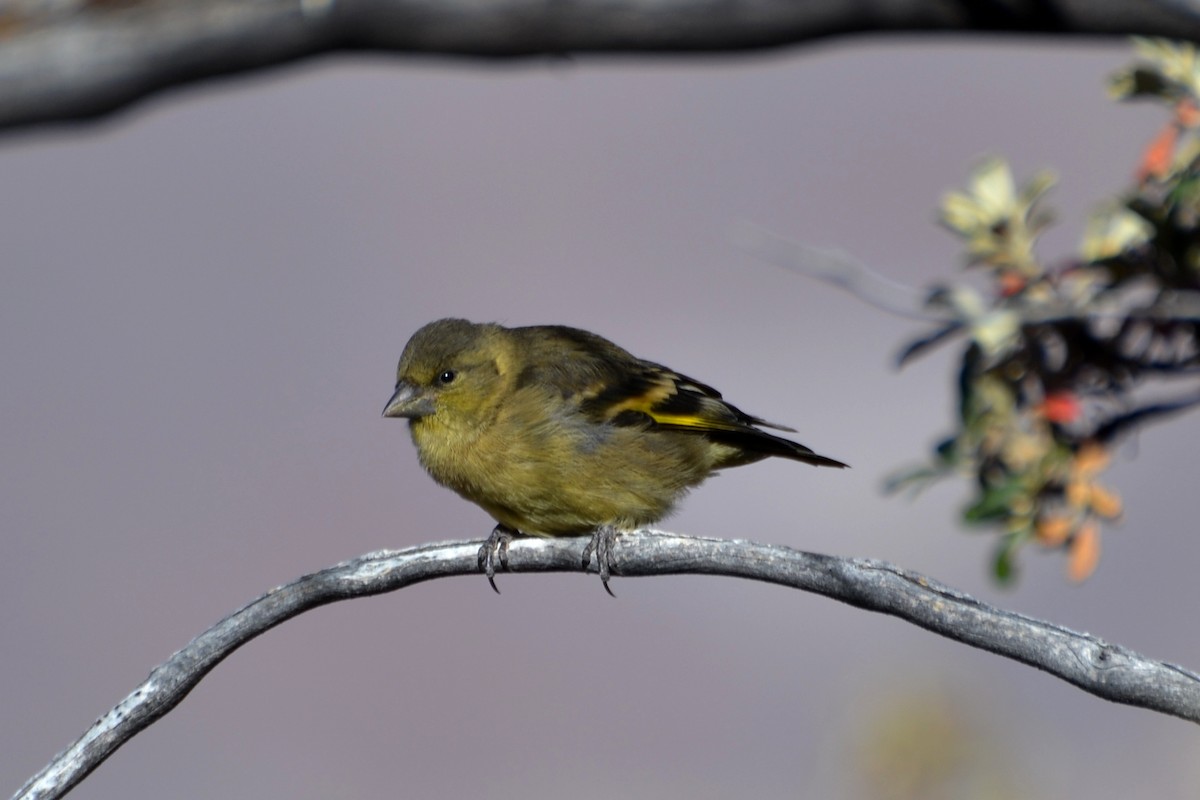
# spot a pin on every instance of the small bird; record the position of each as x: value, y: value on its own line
x: 555, y: 431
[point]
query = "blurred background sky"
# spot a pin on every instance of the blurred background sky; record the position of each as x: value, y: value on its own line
x: 203, y: 302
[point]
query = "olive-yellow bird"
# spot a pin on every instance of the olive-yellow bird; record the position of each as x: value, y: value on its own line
x: 556, y: 431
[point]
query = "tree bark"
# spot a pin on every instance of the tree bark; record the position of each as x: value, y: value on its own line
x: 1106, y: 670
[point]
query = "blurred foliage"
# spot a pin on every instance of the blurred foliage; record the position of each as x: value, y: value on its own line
x: 927, y: 744
x: 1064, y: 359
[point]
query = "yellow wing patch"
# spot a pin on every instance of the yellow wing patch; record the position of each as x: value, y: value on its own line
x: 670, y: 400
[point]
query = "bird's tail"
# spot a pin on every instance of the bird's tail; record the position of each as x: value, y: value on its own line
x: 758, y: 444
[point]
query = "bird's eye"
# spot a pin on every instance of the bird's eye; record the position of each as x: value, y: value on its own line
x: 447, y: 376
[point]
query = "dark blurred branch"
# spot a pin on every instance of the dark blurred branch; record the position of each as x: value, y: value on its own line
x: 1152, y: 412
x: 74, y: 59
x: 1105, y: 670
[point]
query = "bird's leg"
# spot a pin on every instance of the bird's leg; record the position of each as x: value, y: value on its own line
x: 601, y: 543
x: 495, y: 548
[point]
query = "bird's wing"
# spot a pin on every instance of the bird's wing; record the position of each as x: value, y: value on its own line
x: 606, y: 384
x: 669, y: 399
x: 610, y: 384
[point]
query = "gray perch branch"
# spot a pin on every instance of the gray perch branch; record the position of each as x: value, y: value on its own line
x: 66, y: 60
x: 1105, y: 670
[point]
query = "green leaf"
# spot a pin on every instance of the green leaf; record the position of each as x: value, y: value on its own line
x: 971, y: 365
x: 1140, y: 81
x: 995, y: 504
x: 1004, y: 568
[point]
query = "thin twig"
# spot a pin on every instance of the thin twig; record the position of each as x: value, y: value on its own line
x: 874, y: 288
x: 1105, y: 670
x: 837, y: 269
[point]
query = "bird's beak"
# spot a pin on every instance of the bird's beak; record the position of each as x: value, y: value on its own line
x: 408, y: 401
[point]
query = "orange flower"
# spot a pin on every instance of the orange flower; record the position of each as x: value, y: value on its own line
x: 1011, y: 283
x: 1187, y: 114
x: 1060, y: 407
x: 1053, y: 529
x: 1079, y: 492
x: 1156, y: 160
x: 1105, y: 502
x: 1083, y: 552
x: 1083, y: 492
x: 1090, y: 459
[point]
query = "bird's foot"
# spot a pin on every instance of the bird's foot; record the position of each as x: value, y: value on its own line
x: 493, y: 550
x: 601, y: 544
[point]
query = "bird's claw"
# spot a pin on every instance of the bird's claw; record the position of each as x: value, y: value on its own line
x: 601, y: 544
x: 493, y: 550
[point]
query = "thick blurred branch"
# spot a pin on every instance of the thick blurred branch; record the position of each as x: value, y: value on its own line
x: 1105, y: 670
x: 74, y: 59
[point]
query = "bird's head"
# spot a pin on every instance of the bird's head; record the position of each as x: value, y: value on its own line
x: 451, y: 374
